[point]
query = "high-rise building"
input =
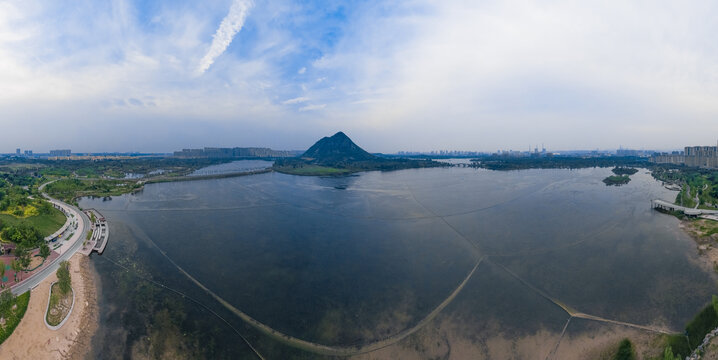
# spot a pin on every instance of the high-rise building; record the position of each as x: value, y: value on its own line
x: 65, y: 152
x: 701, y: 156
x: 697, y: 156
x: 17, y: 151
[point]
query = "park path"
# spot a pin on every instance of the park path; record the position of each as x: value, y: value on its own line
x: 573, y: 313
x: 321, y: 348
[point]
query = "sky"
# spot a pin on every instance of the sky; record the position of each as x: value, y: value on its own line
x: 158, y: 76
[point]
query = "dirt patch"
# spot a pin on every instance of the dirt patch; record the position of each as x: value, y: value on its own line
x: 450, y: 339
x: 33, y: 340
x: 705, y: 233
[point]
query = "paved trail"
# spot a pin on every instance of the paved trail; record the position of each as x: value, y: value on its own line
x: 321, y: 348
x: 577, y: 314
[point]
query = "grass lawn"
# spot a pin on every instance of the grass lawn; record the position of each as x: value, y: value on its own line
x: 13, y: 316
x: 312, y: 170
x: 47, y: 224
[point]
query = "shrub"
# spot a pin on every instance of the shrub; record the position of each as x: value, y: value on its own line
x: 63, y: 277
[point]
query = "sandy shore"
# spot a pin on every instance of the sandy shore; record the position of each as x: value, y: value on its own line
x: 706, y: 244
x: 33, y: 340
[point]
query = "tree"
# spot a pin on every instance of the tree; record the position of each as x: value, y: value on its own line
x: 625, y: 351
x: 23, y: 256
x: 63, y: 277
x: 23, y: 234
x: 44, y: 207
x: 44, y: 250
x: 668, y: 352
x: 6, y: 298
x: 16, y: 267
x: 2, y: 273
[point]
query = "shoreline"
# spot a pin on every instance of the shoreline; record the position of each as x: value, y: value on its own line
x: 707, y: 255
x: 33, y: 340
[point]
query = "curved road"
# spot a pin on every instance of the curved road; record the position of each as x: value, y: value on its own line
x: 82, y: 227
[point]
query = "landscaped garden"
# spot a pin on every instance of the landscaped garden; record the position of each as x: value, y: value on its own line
x: 61, y: 296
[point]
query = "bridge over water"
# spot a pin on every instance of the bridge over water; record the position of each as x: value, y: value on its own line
x: 668, y: 206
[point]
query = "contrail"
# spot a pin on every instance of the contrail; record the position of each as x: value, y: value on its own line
x: 230, y: 26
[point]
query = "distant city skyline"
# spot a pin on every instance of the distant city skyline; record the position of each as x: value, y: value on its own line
x: 138, y: 76
x: 439, y: 152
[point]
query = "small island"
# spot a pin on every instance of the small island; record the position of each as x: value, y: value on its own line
x: 622, y: 170
x: 339, y: 155
x: 617, y: 180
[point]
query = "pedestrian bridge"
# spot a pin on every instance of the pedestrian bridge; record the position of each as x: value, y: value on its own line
x: 667, y: 206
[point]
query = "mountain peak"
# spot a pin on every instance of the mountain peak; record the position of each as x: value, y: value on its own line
x: 337, y: 149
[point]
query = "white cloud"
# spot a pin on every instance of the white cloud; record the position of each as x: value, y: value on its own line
x: 312, y: 107
x: 484, y: 75
x: 296, y: 100
x: 464, y: 74
x: 230, y: 26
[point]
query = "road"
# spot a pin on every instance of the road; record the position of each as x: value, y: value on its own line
x: 80, y: 233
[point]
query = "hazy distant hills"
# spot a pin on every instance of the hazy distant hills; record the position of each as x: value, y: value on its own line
x: 337, y: 149
x: 339, y: 155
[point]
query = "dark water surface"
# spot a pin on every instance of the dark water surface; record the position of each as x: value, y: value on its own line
x: 356, y: 259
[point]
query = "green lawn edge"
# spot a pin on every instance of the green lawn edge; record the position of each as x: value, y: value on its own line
x: 12, y: 319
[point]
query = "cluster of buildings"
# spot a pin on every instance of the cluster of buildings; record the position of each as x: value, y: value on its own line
x: 229, y: 153
x: 695, y: 156
x: 53, y: 153
x: 457, y: 153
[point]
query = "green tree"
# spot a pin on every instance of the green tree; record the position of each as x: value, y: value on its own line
x: 625, y: 351
x: 668, y: 352
x: 16, y: 267
x: 23, y: 256
x: 6, y: 299
x: 44, y: 250
x: 63, y: 277
x: 23, y: 234
x: 44, y: 208
x: 2, y: 273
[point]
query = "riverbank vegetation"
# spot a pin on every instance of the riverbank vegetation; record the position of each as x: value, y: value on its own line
x: 68, y: 190
x: 60, y: 296
x: 698, y: 186
x: 703, y: 323
x: 32, y: 169
x: 625, y: 351
x: 308, y: 169
x: 496, y: 162
x: 12, y: 310
x: 296, y: 166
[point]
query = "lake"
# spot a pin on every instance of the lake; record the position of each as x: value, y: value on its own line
x: 353, y: 260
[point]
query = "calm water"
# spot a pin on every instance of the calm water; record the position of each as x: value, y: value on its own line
x: 355, y: 259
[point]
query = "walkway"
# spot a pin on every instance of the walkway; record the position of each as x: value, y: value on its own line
x: 68, y: 248
x: 100, y: 233
x: 573, y: 313
x: 668, y: 206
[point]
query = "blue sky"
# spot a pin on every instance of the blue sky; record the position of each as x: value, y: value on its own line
x: 401, y: 75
